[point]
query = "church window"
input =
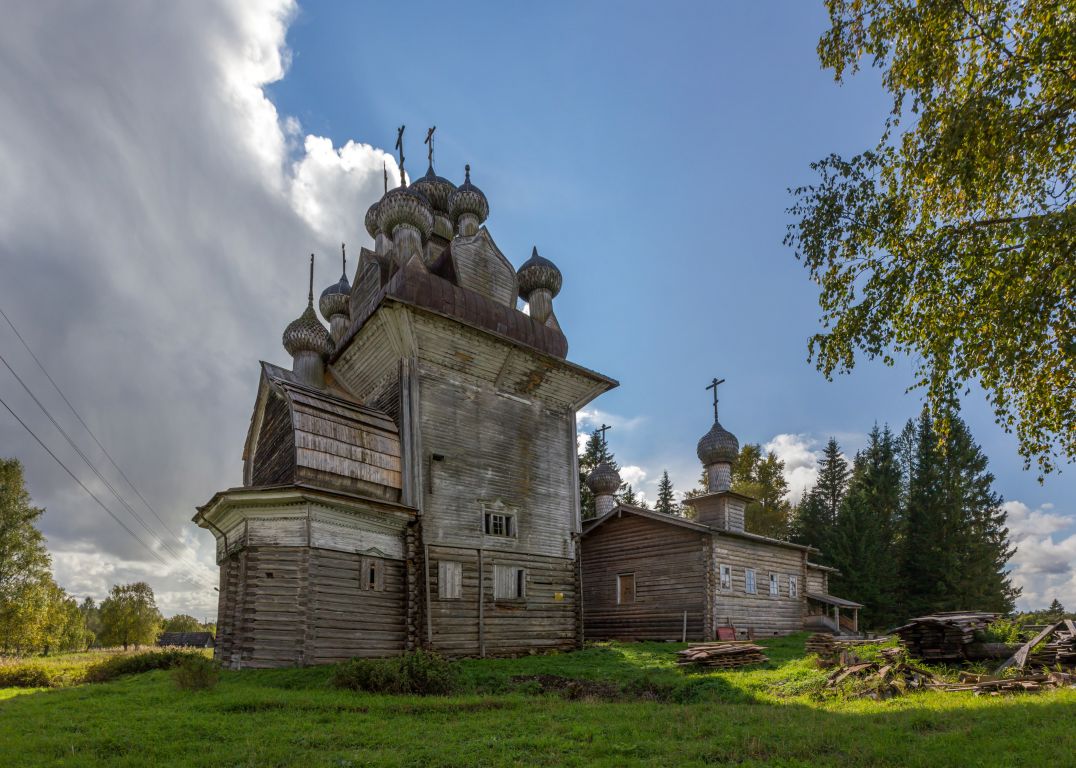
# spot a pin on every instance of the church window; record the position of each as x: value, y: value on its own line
x: 775, y: 590
x: 499, y: 524
x: 625, y: 588
x: 449, y: 580
x: 749, y: 581
x: 509, y: 582
x: 793, y: 586
x: 726, y: 578
x: 372, y: 574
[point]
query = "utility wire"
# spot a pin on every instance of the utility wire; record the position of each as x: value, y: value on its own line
x: 87, y: 426
x: 138, y: 518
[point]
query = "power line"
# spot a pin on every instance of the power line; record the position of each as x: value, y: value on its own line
x: 87, y: 426
x: 102, y: 478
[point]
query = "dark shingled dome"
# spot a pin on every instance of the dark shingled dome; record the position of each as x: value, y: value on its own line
x: 604, y: 480
x: 538, y: 272
x: 307, y: 334
x: 718, y: 446
x: 335, y: 299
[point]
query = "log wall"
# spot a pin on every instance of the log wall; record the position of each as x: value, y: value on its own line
x: 762, y: 613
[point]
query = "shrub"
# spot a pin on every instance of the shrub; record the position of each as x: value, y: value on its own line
x: 196, y: 673
x: 133, y: 663
x: 419, y: 672
x: 26, y: 676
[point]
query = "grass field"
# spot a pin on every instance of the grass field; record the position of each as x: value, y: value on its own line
x: 767, y: 715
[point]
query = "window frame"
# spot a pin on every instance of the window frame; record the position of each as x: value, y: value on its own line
x: 775, y: 585
x: 793, y: 585
x: 620, y: 592
x: 724, y: 577
x: 449, y: 574
x: 507, y: 519
x: 372, y: 566
x: 750, y: 581
x: 518, y: 582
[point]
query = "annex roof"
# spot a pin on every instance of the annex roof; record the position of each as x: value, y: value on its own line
x: 840, y: 602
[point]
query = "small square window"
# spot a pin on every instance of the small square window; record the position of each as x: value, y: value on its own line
x: 500, y: 524
x: 775, y: 589
x: 793, y: 586
x: 509, y: 582
x: 749, y: 581
x: 372, y: 574
x: 625, y: 588
x: 726, y: 578
x: 449, y: 580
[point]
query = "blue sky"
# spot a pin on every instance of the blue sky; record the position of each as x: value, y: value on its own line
x: 165, y: 164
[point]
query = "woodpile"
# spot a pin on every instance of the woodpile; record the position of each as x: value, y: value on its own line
x: 943, y: 636
x: 829, y: 648
x: 891, y: 676
x: 997, y: 686
x: 1061, y: 651
x: 721, y: 655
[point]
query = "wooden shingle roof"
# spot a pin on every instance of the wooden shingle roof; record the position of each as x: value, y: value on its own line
x: 186, y: 639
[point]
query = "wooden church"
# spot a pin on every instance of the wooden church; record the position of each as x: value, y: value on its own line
x: 654, y: 576
x: 412, y: 480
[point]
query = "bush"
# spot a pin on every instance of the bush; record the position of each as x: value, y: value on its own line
x: 131, y: 664
x: 196, y: 673
x: 26, y: 676
x: 419, y: 673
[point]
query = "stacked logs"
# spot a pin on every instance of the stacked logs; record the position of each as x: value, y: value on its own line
x: 883, y: 679
x: 943, y: 636
x: 997, y: 686
x: 721, y: 655
x: 1060, y: 651
x: 829, y: 648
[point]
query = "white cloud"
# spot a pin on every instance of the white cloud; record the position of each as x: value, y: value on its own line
x: 1045, y: 563
x: 633, y: 475
x: 594, y: 418
x: 161, y: 209
x: 801, y: 456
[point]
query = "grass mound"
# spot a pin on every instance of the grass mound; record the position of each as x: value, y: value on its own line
x: 420, y: 673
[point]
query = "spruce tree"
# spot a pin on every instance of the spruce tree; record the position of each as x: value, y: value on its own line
x: 666, y: 501
x: 629, y: 497
x: 594, y: 453
x: 817, y: 514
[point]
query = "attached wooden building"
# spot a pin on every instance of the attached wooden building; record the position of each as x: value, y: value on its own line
x: 412, y: 481
x: 653, y: 576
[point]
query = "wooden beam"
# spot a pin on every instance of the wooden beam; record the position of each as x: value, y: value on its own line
x: 1020, y: 657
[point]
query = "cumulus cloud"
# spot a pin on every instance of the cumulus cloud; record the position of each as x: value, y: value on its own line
x: 155, y: 218
x: 1045, y: 561
x: 593, y: 418
x: 801, y: 455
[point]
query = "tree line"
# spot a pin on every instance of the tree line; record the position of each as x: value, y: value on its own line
x: 38, y: 616
x: 911, y: 522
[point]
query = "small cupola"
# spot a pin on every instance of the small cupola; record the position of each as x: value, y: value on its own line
x: 604, y: 482
x: 307, y: 341
x: 405, y: 215
x: 539, y: 282
x: 437, y: 190
x: 717, y: 450
x: 467, y: 206
x: 335, y: 301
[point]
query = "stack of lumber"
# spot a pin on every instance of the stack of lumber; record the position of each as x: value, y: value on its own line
x: 1061, y: 650
x: 882, y: 679
x: 943, y: 636
x: 721, y: 655
x: 829, y: 648
x: 996, y: 686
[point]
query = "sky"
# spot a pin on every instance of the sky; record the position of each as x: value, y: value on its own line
x: 168, y: 167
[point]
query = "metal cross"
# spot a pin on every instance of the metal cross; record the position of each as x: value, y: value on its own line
x: 603, y: 429
x: 429, y: 140
x: 385, y: 170
x: 310, y: 296
x: 399, y: 146
x: 714, y: 385
x: 343, y: 257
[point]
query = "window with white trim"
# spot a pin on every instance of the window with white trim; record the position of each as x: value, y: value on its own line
x: 793, y: 586
x: 449, y: 580
x: 499, y: 524
x: 509, y: 582
x: 625, y: 588
x: 749, y: 581
x: 775, y: 589
x: 726, y: 578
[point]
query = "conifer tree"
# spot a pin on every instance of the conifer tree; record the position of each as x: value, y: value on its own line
x: 761, y: 476
x: 629, y: 497
x: 666, y: 501
x: 817, y: 514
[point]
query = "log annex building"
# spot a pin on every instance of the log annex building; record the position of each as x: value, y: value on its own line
x: 412, y: 480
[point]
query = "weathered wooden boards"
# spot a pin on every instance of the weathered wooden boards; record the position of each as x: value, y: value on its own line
x: 828, y: 648
x: 997, y: 686
x: 721, y: 655
x: 943, y: 636
x: 1061, y: 651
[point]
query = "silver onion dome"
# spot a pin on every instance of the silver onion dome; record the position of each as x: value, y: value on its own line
x: 467, y: 198
x: 604, y: 480
x: 437, y: 189
x: 335, y: 299
x: 405, y: 205
x: 718, y: 446
x: 307, y: 334
x: 538, y: 272
x: 371, y: 220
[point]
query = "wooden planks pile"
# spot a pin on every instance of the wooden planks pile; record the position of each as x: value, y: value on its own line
x: 943, y: 636
x: 883, y: 679
x: 721, y: 655
x: 829, y: 648
x: 997, y: 686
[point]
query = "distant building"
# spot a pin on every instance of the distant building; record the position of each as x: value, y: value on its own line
x: 654, y: 576
x: 186, y: 639
x: 412, y: 481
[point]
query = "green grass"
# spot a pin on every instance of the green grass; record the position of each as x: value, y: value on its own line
x: 766, y: 715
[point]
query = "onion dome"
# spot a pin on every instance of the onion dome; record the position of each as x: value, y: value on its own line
x: 405, y: 205
x: 437, y: 189
x: 335, y: 299
x: 467, y: 198
x: 538, y: 272
x: 604, y: 480
x: 718, y: 446
x: 307, y: 334
x: 371, y: 220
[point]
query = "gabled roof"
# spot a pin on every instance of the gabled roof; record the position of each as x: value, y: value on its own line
x: 661, y: 517
x: 186, y: 639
